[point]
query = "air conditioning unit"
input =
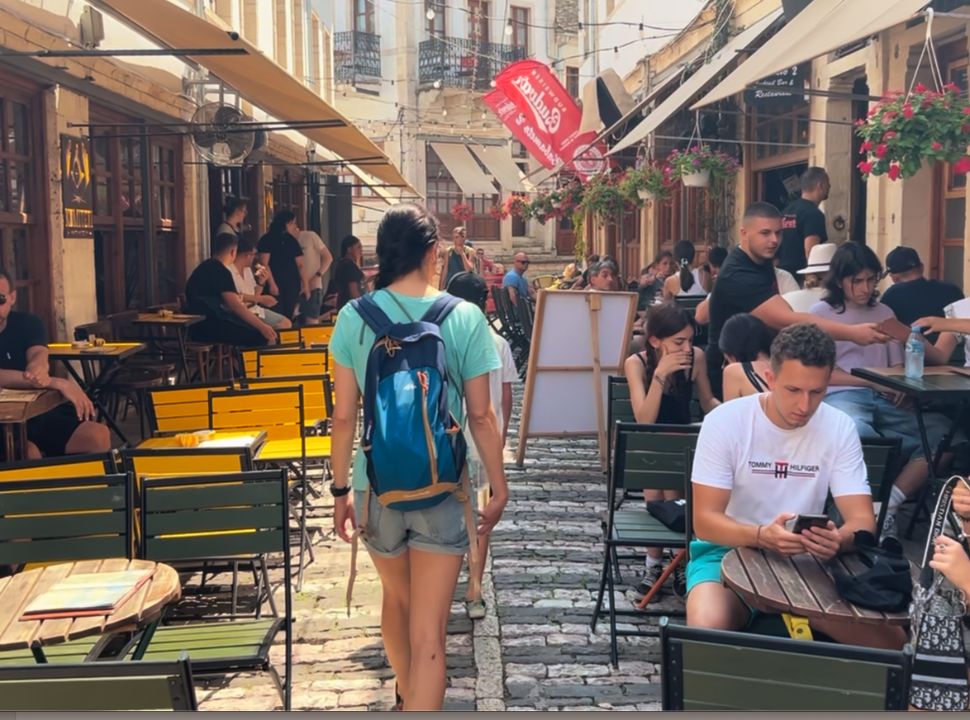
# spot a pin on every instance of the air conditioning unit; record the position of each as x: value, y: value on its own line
x: 92, y: 27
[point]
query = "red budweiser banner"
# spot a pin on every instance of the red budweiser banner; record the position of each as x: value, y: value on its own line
x: 551, y: 117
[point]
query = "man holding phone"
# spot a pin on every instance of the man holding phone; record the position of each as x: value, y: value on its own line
x: 764, y: 460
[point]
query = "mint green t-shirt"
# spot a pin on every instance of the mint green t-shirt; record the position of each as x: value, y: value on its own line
x: 469, y: 349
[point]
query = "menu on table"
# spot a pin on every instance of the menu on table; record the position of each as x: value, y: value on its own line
x: 87, y: 594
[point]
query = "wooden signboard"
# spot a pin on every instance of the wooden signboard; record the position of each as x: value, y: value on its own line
x: 579, y: 339
x: 76, y: 187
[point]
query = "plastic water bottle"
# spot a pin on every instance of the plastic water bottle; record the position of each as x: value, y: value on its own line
x: 914, y: 354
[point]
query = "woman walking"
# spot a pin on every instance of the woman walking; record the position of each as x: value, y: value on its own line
x: 280, y: 251
x: 417, y: 553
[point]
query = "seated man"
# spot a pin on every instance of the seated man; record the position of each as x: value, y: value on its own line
x: 763, y: 459
x: 603, y: 275
x: 68, y: 429
x: 210, y: 291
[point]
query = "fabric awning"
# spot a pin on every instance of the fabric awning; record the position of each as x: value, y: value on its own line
x: 464, y: 169
x: 261, y: 81
x: 693, y: 85
x: 498, y: 160
x: 605, y: 102
x: 823, y: 26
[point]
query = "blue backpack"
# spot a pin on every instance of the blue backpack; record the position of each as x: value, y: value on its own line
x: 414, y: 447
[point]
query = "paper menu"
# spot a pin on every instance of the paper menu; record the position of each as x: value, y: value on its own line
x: 87, y: 594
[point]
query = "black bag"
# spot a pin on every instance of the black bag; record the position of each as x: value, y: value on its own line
x: 672, y: 513
x: 887, y: 585
x: 939, y: 665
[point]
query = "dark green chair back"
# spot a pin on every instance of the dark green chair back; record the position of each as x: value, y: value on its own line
x: 98, y: 686
x: 689, y: 302
x: 194, y: 518
x: 720, y: 670
x: 882, y: 466
x: 651, y: 457
x: 65, y: 519
x: 618, y: 409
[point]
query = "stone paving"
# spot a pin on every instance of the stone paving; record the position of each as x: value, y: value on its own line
x: 534, y: 650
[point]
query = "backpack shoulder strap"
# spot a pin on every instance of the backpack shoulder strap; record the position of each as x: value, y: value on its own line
x: 371, y: 313
x: 441, y: 309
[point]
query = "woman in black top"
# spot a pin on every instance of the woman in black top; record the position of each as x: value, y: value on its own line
x: 746, y: 344
x: 281, y: 252
x: 662, y: 380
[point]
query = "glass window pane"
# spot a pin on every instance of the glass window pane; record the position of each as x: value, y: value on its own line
x: 19, y: 188
x: 102, y: 197
x: 14, y: 254
x: 955, y: 212
x: 19, y: 137
x: 4, y: 194
x: 953, y: 264
x: 100, y: 150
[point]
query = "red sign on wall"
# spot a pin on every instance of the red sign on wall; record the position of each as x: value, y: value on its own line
x: 551, y: 117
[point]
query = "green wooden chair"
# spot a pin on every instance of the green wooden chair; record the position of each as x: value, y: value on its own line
x: 720, y: 670
x: 64, y: 520
x: 192, y: 518
x: 618, y: 409
x: 645, y: 457
x: 101, y: 686
x: 882, y: 466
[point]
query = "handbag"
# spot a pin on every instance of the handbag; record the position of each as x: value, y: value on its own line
x: 672, y: 513
x: 939, y: 679
x: 887, y: 584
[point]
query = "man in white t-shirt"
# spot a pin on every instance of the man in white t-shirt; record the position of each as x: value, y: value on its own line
x: 250, y: 292
x: 471, y: 287
x: 763, y: 459
x: 316, y: 261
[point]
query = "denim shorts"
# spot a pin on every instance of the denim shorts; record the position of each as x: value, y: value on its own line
x: 310, y: 307
x: 439, y: 529
x: 876, y: 416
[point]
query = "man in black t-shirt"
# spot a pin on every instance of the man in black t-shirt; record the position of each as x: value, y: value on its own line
x: 747, y: 284
x: 348, y: 279
x: 68, y: 429
x: 211, y: 291
x: 803, y: 224
x: 912, y: 296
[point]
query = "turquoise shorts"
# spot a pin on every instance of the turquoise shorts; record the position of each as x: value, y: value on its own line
x: 705, y: 567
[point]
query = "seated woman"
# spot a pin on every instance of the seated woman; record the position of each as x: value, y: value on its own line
x: 661, y: 380
x: 746, y: 344
x: 851, y: 297
x: 687, y: 282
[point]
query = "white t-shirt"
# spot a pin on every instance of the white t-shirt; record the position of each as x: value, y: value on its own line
x: 786, y: 282
x: 803, y: 300
x: 769, y: 470
x: 496, y: 378
x: 696, y: 290
x: 311, y: 244
x: 246, y: 285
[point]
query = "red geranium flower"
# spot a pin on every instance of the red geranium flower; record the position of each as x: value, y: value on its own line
x: 866, y: 167
x: 881, y: 150
x: 865, y: 147
x: 893, y: 171
x: 920, y: 88
x: 889, y: 135
x: 961, y: 166
x: 966, y: 109
x: 935, y: 146
x: 908, y: 111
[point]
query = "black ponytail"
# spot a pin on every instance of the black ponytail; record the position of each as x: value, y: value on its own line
x: 403, y: 237
x: 684, y: 255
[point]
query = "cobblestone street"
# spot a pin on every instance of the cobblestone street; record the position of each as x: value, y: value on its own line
x: 534, y: 650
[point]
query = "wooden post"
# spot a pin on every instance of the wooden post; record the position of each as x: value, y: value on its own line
x: 530, y: 377
x: 595, y: 302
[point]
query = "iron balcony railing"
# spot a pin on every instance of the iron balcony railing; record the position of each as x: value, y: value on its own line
x: 463, y: 63
x: 357, y: 57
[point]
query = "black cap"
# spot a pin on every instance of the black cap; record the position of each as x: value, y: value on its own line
x: 902, y: 259
x: 469, y: 286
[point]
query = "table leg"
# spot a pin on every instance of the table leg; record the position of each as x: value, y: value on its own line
x: 9, y: 445
x: 181, y: 333
x: 92, y: 392
x: 39, y: 655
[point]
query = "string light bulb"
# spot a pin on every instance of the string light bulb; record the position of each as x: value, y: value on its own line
x: 444, y: 112
x: 430, y: 14
x: 508, y: 29
x: 436, y: 84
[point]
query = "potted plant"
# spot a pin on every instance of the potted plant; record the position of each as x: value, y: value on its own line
x: 902, y: 131
x: 699, y: 165
x: 602, y: 198
x: 462, y: 212
x: 653, y: 181
x: 517, y: 206
x: 498, y: 212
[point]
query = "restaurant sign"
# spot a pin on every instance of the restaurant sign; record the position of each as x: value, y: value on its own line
x: 76, y: 187
x: 786, y: 85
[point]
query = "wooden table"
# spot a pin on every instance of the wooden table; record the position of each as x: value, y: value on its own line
x: 799, y: 585
x: 17, y: 591
x: 16, y: 408
x: 108, y: 357
x: 156, y: 324
x: 248, y: 440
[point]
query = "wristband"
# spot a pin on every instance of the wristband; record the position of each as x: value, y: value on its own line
x: 339, y: 491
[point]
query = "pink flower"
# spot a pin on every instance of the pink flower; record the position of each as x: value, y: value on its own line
x: 889, y: 135
x: 936, y: 147
x: 865, y: 147
x: 908, y: 111
x: 965, y: 129
x: 966, y: 109
x: 866, y: 167
x: 951, y: 87
x: 888, y: 117
x: 893, y: 172
x: 961, y: 166
x: 920, y: 88
x: 881, y: 150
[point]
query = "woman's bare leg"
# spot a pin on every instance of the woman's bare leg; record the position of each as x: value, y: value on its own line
x: 395, y: 574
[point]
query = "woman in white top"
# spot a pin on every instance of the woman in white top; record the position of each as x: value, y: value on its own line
x: 813, y: 273
x: 687, y: 282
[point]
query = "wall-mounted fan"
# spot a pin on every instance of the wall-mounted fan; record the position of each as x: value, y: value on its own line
x: 218, y: 135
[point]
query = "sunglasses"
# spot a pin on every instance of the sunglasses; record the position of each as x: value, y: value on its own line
x: 3, y: 299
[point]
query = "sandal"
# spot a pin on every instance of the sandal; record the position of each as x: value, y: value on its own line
x: 398, y: 701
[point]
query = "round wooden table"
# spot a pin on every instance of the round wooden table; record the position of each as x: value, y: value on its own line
x: 798, y: 584
x: 17, y: 591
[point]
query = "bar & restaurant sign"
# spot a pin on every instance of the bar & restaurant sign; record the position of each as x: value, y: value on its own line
x: 76, y: 187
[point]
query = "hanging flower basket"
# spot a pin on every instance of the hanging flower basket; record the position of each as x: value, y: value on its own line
x: 903, y: 131
x: 697, y: 179
x: 517, y: 206
x: 498, y: 212
x: 602, y: 198
x: 653, y: 181
x: 462, y: 212
x: 699, y: 166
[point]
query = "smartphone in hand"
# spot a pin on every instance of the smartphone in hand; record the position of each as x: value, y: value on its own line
x: 800, y: 523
